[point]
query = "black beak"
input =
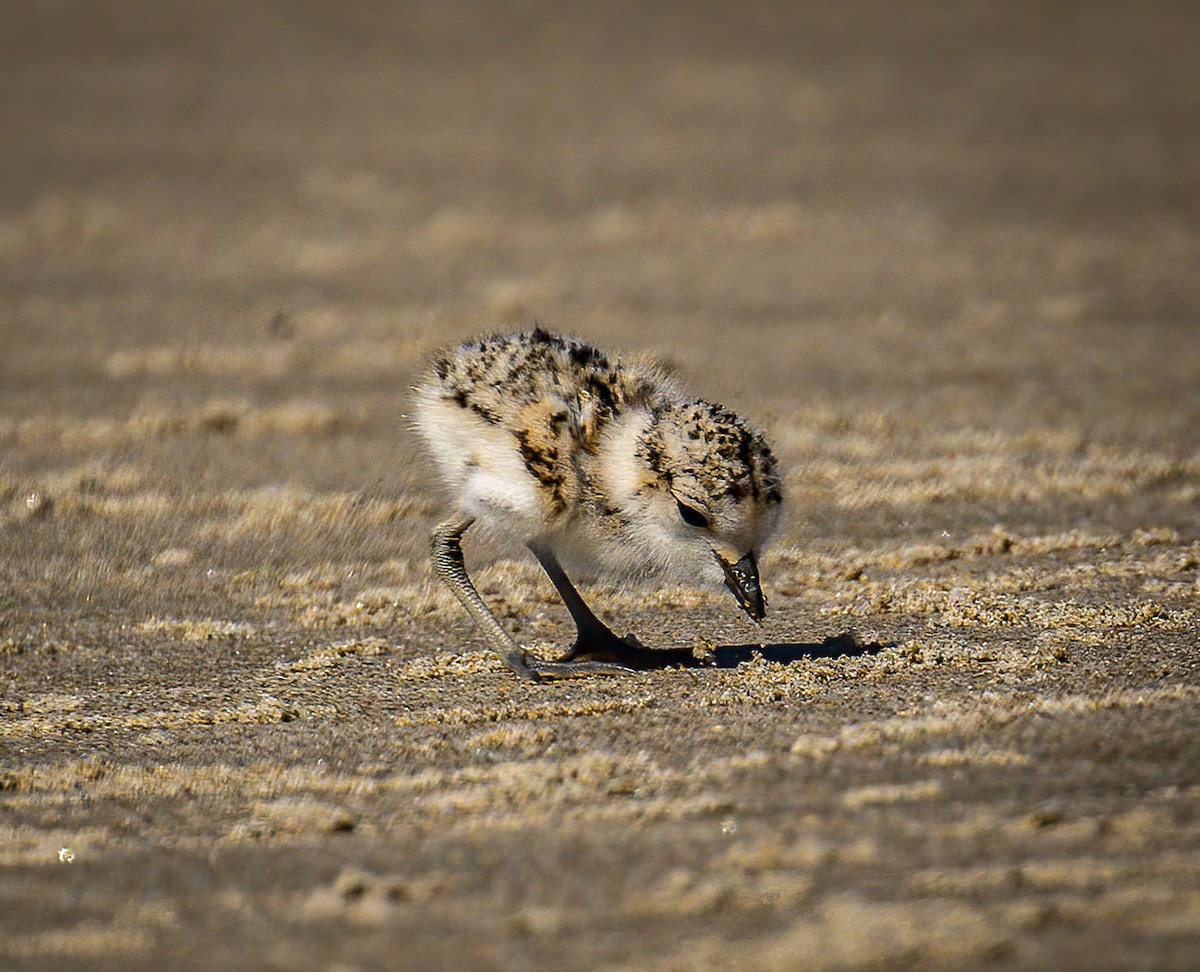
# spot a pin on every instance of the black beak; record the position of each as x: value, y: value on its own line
x: 742, y: 580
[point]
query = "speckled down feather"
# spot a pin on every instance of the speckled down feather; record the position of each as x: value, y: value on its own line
x: 549, y: 439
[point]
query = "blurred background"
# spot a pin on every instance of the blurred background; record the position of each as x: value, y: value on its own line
x: 813, y: 202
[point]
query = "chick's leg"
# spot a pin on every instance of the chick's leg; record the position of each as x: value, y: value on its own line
x: 594, y: 640
x: 446, y: 554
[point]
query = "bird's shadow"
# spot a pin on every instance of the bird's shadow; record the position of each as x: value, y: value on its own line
x: 845, y: 645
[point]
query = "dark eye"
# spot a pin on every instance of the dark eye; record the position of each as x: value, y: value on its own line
x: 691, y: 516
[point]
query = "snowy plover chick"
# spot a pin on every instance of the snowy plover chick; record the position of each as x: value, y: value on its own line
x: 599, y: 463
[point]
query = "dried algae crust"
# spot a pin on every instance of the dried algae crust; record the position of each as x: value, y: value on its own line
x: 794, y: 803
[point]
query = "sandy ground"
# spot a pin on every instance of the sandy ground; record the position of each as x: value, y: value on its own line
x: 947, y: 257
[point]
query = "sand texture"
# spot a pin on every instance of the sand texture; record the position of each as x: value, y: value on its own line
x: 947, y: 256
